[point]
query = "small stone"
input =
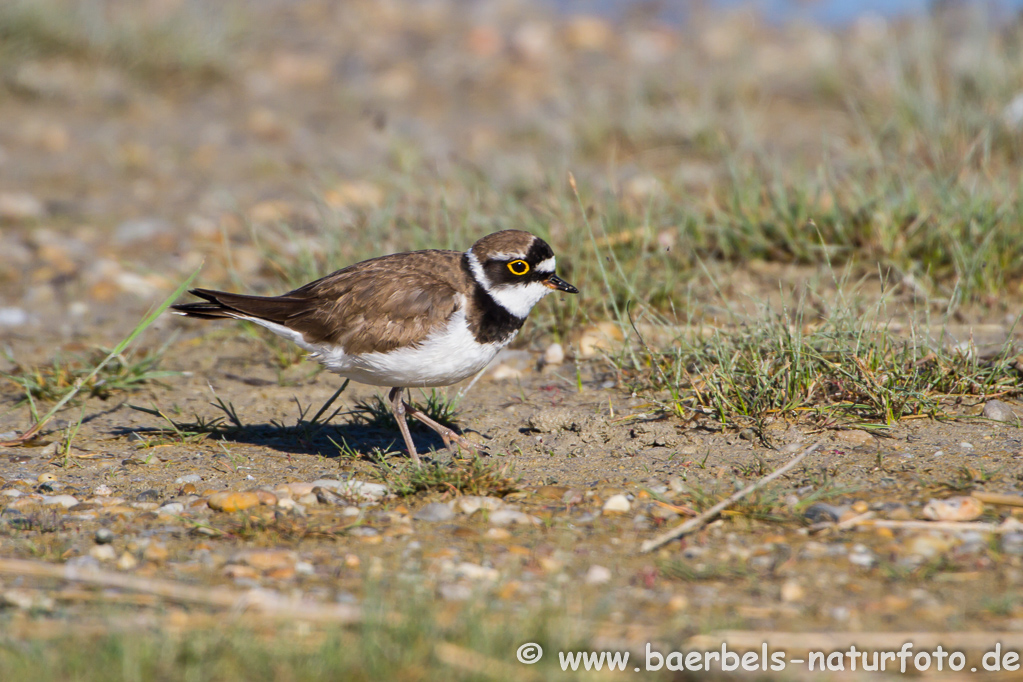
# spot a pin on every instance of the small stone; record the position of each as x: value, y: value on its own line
x: 617, y: 504
x: 65, y: 501
x: 151, y: 495
x: 308, y: 500
x: 156, y: 552
x: 597, y: 575
x: 20, y: 207
x: 351, y: 512
x: 102, y: 552
x: 470, y: 504
x: 854, y: 438
x: 927, y: 546
x: 1012, y: 543
x: 25, y: 600
x: 820, y: 512
x: 434, y: 512
x: 497, y: 534
x: 860, y: 555
x: 476, y: 572
x: 554, y: 355
x: 240, y: 572
x: 172, y: 509
x: 552, y: 420
x: 127, y: 562
x: 13, y: 317
x: 1000, y: 412
x: 266, y: 498
x: 508, y: 517
x: 266, y: 559
x: 102, y: 491
x: 329, y: 497
x: 965, y: 446
x: 190, y: 478
x: 455, y: 592
x: 232, y: 501
x: 104, y: 536
x: 954, y: 509
x: 792, y: 591
x: 599, y: 339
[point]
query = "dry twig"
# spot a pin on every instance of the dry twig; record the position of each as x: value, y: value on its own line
x: 698, y: 522
x: 267, y: 602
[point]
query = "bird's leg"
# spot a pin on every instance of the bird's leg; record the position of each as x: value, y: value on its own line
x: 398, y: 407
x: 447, y: 435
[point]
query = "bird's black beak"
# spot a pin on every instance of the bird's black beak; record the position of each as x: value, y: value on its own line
x: 555, y: 282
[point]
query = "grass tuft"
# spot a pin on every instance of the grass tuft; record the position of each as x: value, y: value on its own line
x: 475, y: 476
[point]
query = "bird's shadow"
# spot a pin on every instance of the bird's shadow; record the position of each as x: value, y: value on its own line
x: 334, y: 440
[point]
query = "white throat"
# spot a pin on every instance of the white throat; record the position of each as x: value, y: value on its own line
x: 517, y: 299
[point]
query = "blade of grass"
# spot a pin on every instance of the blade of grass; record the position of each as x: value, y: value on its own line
x: 115, y: 352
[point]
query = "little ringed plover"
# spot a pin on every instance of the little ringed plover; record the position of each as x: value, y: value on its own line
x: 408, y: 320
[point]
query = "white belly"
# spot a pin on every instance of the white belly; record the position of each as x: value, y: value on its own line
x: 443, y: 358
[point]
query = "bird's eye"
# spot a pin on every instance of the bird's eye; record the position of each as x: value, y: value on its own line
x: 518, y: 267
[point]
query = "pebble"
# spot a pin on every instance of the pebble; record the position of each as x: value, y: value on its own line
x: 102, y: 491
x: 190, y: 478
x: 104, y: 536
x: 266, y: 559
x: 476, y: 572
x: 151, y: 495
x: 434, y: 512
x: 13, y: 317
x: 1000, y: 412
x: 25, y: 600
x: 927, y: 546
x: 127, y: 562
x: 556, y: 419
x: 156, y: 552
x: 554, y: 355
x: 860, y: 555
x: 954, y: 509
x: 291, y: 505
x: 497, y: 534
x: 102, y: 552
x: 232, y: 501
x: 354, y: 489
x: 66, y: 501
x: 470, y: 504
x: 508, y: 517
x: 329, y: 497
x: 792, y: 591
x: 1012, y: 543
x: 172, y: 508
x: 455, y: 592
x: 821, y: 512
x: 597, y: 575
x: 966, y: 446
x: 854, y: 438
x: 20, y: 207
x: 617, y: 504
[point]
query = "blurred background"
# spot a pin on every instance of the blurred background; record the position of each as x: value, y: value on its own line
x: 718, y: 147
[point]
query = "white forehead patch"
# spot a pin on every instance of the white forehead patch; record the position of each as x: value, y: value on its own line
x: 546, y: 265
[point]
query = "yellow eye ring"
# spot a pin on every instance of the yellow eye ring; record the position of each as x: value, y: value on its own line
x: 518, y: 267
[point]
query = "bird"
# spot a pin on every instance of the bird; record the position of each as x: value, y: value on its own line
x: 417, y: 319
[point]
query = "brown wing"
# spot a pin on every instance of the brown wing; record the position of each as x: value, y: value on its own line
x: 379, y: 304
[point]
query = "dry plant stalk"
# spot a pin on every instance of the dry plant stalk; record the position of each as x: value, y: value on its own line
x: 267, y: 602
x: 698, y: 522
